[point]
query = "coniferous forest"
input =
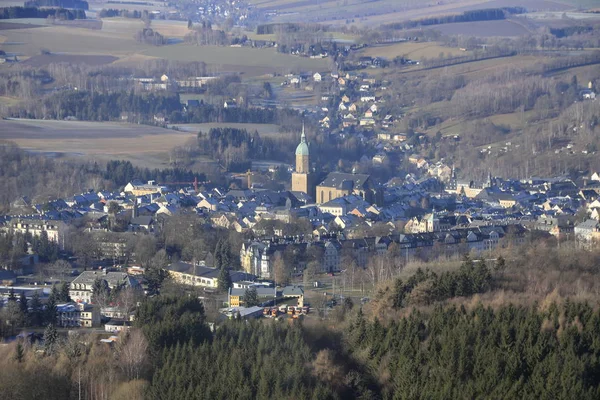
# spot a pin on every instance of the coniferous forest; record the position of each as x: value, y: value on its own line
x: 540, y: 351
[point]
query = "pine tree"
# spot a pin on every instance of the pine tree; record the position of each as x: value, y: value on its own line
x: 225, y: 256
x: 251, y: 297
x: 50, y: 312
x: 224, y: 281
x: 64, y: 292
x: 218, y: 255
x: 50, y: 339
x: 24, y: 307
x: 36, y: 315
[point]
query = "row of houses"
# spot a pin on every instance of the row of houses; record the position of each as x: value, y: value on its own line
x: 258, y: 257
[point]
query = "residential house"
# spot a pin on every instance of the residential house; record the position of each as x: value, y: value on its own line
x: 72, y: 315
x: 80, y: 289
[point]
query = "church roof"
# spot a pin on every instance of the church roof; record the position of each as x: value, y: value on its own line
x: 344, y: 181
x: 302, y: 149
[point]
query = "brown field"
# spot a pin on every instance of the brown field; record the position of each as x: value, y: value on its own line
x: 146, y: 146
x: 45, y: 59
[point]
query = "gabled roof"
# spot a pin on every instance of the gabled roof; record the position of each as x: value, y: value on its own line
x: 345, y: 181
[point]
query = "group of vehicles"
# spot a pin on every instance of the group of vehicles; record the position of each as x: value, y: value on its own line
x: 293, y: 311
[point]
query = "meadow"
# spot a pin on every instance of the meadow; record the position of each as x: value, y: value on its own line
x: 413, y: 50
x: 146, y: 146
x: 116, y: 39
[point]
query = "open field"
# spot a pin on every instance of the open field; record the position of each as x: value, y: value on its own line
x: 264, y: 130
x: 5, y: 25
x: 387, y: 11
x: 503, y: 28
x: 146, y: 146
x: 128, y: 27
x: 414, y: 50
x: 45, y: 59
x: 63, y: 39
x: 238, y: 59
x: 116, y: 40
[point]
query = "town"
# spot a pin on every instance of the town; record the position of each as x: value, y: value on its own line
x: 299, y: 199
x: 282, y: 238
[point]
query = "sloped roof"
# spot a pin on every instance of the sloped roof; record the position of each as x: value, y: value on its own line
x: 345, y: 181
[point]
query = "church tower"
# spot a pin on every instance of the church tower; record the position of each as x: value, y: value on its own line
x: 301, y: 178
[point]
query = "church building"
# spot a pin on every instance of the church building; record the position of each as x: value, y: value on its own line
x: 302, y: 177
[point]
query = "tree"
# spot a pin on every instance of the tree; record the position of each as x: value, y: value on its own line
x: 24, y: 308
x: 500, y: 264
x: 19, y: 353
x: 145, y: 250
x: 251, y: 297
x: 280, y: 270
x: 155, y: 278
x: 113, y: 210
x: 64, y: 292
x: 310, y: 273
x: 100, y: 292
x: 50, y: 339
x: 36, y: 316
x: 224, y: 281
x: 132, y: 353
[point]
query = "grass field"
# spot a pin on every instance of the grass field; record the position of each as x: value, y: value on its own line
x: 116, y: 39
x: 146, y: 146
x: 239, y: 59
x: 413, y: 50
x: 128, y: 27
x: 62, y: 39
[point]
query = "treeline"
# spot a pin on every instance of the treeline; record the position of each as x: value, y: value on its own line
x: 78, y: 4
x: 570, y: 30
x: 489, y: 14
x: 21, y: 312
x: 233, y: 147
x: 269, y: 29
x: 113, y: 12
x: 271, y: 361
x: 206, y: 36
x: 42, y: 178
x: 489, y: 53
x: 34, y: 12
x: 123, y: 172
x: 508, y: 352
x: 571, y: 62
x: 94, y: 106
x: 91, y: 106
x: 426, y: 287
x: 150, y: 36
